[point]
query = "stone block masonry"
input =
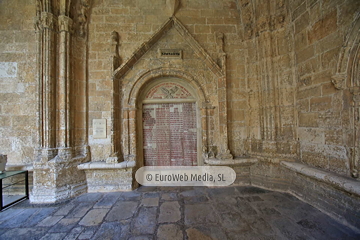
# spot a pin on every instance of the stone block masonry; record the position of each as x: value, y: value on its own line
x: 271, y: 80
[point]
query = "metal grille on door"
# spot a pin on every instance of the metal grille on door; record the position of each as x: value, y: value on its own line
x: 170, y: 137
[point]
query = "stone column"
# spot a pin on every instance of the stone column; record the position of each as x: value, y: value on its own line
x: 64, y: 88
x: 224, y: 152
x: 115, y: 155
x: 55, y: 171
x: 132, y: 135
x: 45, y: 25
x: 355, y: 157
x: 45, y: 28
x: 204, y: 131
x: 126, y: 141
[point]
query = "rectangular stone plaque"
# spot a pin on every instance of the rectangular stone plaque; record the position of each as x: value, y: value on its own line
x: 8, y: 69
x: 99, y: 128
x: 170, y: 53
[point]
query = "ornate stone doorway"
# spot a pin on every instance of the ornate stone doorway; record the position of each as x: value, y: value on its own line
x: 169, y: 124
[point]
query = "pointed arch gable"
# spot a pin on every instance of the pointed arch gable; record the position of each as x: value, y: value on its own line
x: 173, y: 22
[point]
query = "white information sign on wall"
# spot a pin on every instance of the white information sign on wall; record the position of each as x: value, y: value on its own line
x: 99, y: 128
x: 8, y: 69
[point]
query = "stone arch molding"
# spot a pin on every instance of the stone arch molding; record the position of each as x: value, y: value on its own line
x: 164, y: 72
x: 347, y: 78
x: 207, y: 79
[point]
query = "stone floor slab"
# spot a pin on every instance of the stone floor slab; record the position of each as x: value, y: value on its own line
x: 94, y: 217
x: 169, y: 196
x: 210, y: 230
x: 169, y: 212
x: 54, y: 236
x: 65, y: 225
x: 88, y: 232
x: 108, y: 200
x: 199, y: 214
x: 24, y: 233
x: 20, y: 220
x: 145, y: 222
x: 50, y: 221
x: 74, y: 233
x: 111, y: 230
x: 228, y: 213
x: 65, y: 210
x: 150, y: 202
x: 39, y: 216
x: 169, y: 231
x: 122, y: 211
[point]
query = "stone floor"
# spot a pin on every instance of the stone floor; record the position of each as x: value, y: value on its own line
x: 173, y: 213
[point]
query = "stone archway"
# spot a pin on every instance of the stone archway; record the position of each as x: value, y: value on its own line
x: 169, y: 126
x: 347, y: 80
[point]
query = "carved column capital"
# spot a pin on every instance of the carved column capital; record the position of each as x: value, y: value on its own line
x: 206, y: 105
x: 47, y: 21
x: 65, y: 23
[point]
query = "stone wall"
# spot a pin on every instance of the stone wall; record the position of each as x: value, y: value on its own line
x: 136, y: 22
x: 280, y: 55
x: 18, y: 83
x: 321, y: 29
x: 291, y: 78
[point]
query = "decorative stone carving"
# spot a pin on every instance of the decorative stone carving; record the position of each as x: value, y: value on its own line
x: 47, y: 20
x: 115, y: 39
x: 82, y: 17
x: 220, y: 42
x: 169, y: 92
x: 132, y: 91
x: 219, y: 37
x: 37, y: 24
x: 339, y: 81
x: 65, y: 23
x: 172, y: 6
x: 56, y: 153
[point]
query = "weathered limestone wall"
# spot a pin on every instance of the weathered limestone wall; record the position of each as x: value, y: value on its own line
x: 270, y: 79
x: 18, y: 83
x: 136, y: 22
x: 281, y: 56
x: 292, y: 50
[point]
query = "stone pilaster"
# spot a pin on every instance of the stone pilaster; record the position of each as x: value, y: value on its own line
x: 224, y: 152
x: 45, y: 26
x: 56, y: 176
x: 355, y: 155
x: 64, y: 85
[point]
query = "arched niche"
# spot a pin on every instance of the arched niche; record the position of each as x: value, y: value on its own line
x: 146, y: 90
